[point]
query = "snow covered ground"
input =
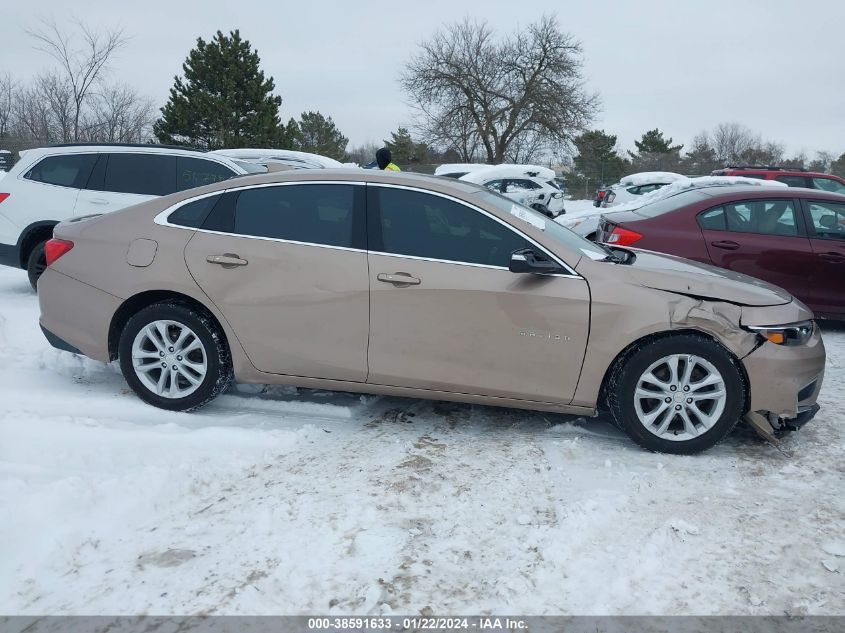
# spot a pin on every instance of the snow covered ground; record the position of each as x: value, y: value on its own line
x: 282, y: 502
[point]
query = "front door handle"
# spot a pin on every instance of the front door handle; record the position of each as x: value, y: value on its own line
x: 833, y: 258
x: 398, y: 279
x: 227, y: 260
x: 98, y: 201
x: 727, y: 245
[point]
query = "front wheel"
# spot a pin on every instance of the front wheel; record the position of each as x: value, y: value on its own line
x: 682, y: 394
x: 36, y: 264
x: 174, y: 356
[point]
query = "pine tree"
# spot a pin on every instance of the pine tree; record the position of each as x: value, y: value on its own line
x: 403, y: 148
x: 700, y: 160
x: 597, y: 158
x: 224, y: 99
x: 655, y: 152
x: 319, y: 135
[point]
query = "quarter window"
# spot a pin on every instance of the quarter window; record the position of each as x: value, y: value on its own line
x: 828, y: 184
x: 196, y: 172
x: 141, y: 174
x: 193, y: 213
x: 770, y: 217
x: 417, y: 224
x: 315, y: 214
x: 828, y: 219
x: 68, y: 170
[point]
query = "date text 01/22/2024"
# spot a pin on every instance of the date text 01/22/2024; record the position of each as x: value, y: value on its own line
x: 416, y: 623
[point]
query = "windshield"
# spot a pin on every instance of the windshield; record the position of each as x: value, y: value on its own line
x: 557, y: 232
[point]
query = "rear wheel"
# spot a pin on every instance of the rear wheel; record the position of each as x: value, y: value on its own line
x: 681, y: 394
x: 174, y: 356
x: 36, y: 264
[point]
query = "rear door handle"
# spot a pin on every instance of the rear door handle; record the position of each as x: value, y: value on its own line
x: 227, y: 260
x: 98, y: 201
x: 833, y: 258
x: 727, y: 245
x: 399, y: 279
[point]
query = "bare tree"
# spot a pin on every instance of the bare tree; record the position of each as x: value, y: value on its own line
x: 508, y: 96
x: 81, y: 65
x: 31, y: 116
x: 731, y: 140
x: 822, y: 161
x: 8, y: 87
x: 119, y: 115
x: 54, y: 92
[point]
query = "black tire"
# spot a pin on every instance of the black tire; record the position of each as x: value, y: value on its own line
x: 219, y: 373
x: 36, y: 264
x: 628, y: 370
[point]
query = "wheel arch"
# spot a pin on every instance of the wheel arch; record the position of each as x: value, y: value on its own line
x: 622, y: 356
x: 32, y: 235
x: 135, y: 303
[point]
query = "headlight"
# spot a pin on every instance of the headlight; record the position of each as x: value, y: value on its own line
x: 791, y: 334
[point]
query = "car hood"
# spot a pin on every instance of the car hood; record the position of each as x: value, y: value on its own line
x: 683, y: 276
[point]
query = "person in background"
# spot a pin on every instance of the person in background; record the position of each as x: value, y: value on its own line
x: 385, y: 160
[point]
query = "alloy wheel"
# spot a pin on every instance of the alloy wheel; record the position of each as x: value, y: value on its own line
x: 680, y: 397
x: 169, y: 359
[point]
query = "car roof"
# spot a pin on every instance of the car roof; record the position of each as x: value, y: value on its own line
x: 76, y: 148
x: 731, y: 191
x: 438, y: 184
x: 780, y: 171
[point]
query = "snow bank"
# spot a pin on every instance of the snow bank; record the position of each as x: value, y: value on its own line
x: 285, y: 501
x: 458, y: 168
x: 280, y: 154
x: 491, y: 172
x: 690, y: 183
x: 650, y: 177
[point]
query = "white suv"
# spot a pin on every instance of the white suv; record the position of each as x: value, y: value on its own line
x: 531, y: 185
x: 51, y: 184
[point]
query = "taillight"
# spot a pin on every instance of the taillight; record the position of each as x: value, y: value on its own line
x: 602, y: 194
x: 623, y: 237
x: 54, y: 249
x: 3, y: 196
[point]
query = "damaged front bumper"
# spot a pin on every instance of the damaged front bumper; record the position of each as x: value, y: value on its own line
x: 784, y: 381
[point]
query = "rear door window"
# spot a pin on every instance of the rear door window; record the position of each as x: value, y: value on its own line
x: 793, y: 181
x: 196, y: 172
x: 828, y: 184
x: 141, y: 174
x: 329, y: 215
x: 828, y: 219
x: 768, y: 217
x: 64, y: 170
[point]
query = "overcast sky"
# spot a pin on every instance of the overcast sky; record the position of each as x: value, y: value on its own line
x: 777, y: 66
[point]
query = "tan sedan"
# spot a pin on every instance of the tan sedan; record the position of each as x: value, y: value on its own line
x: 424, y: 287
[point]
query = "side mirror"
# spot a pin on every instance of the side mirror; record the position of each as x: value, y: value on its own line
x: 528, y: 260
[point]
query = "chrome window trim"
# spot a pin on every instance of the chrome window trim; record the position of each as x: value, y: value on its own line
x: 161, y: 219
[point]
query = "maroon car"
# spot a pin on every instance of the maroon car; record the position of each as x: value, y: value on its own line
x: 793, y: 238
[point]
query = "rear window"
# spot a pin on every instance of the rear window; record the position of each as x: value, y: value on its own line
x: 666, y: 205
x: 67, y: 170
